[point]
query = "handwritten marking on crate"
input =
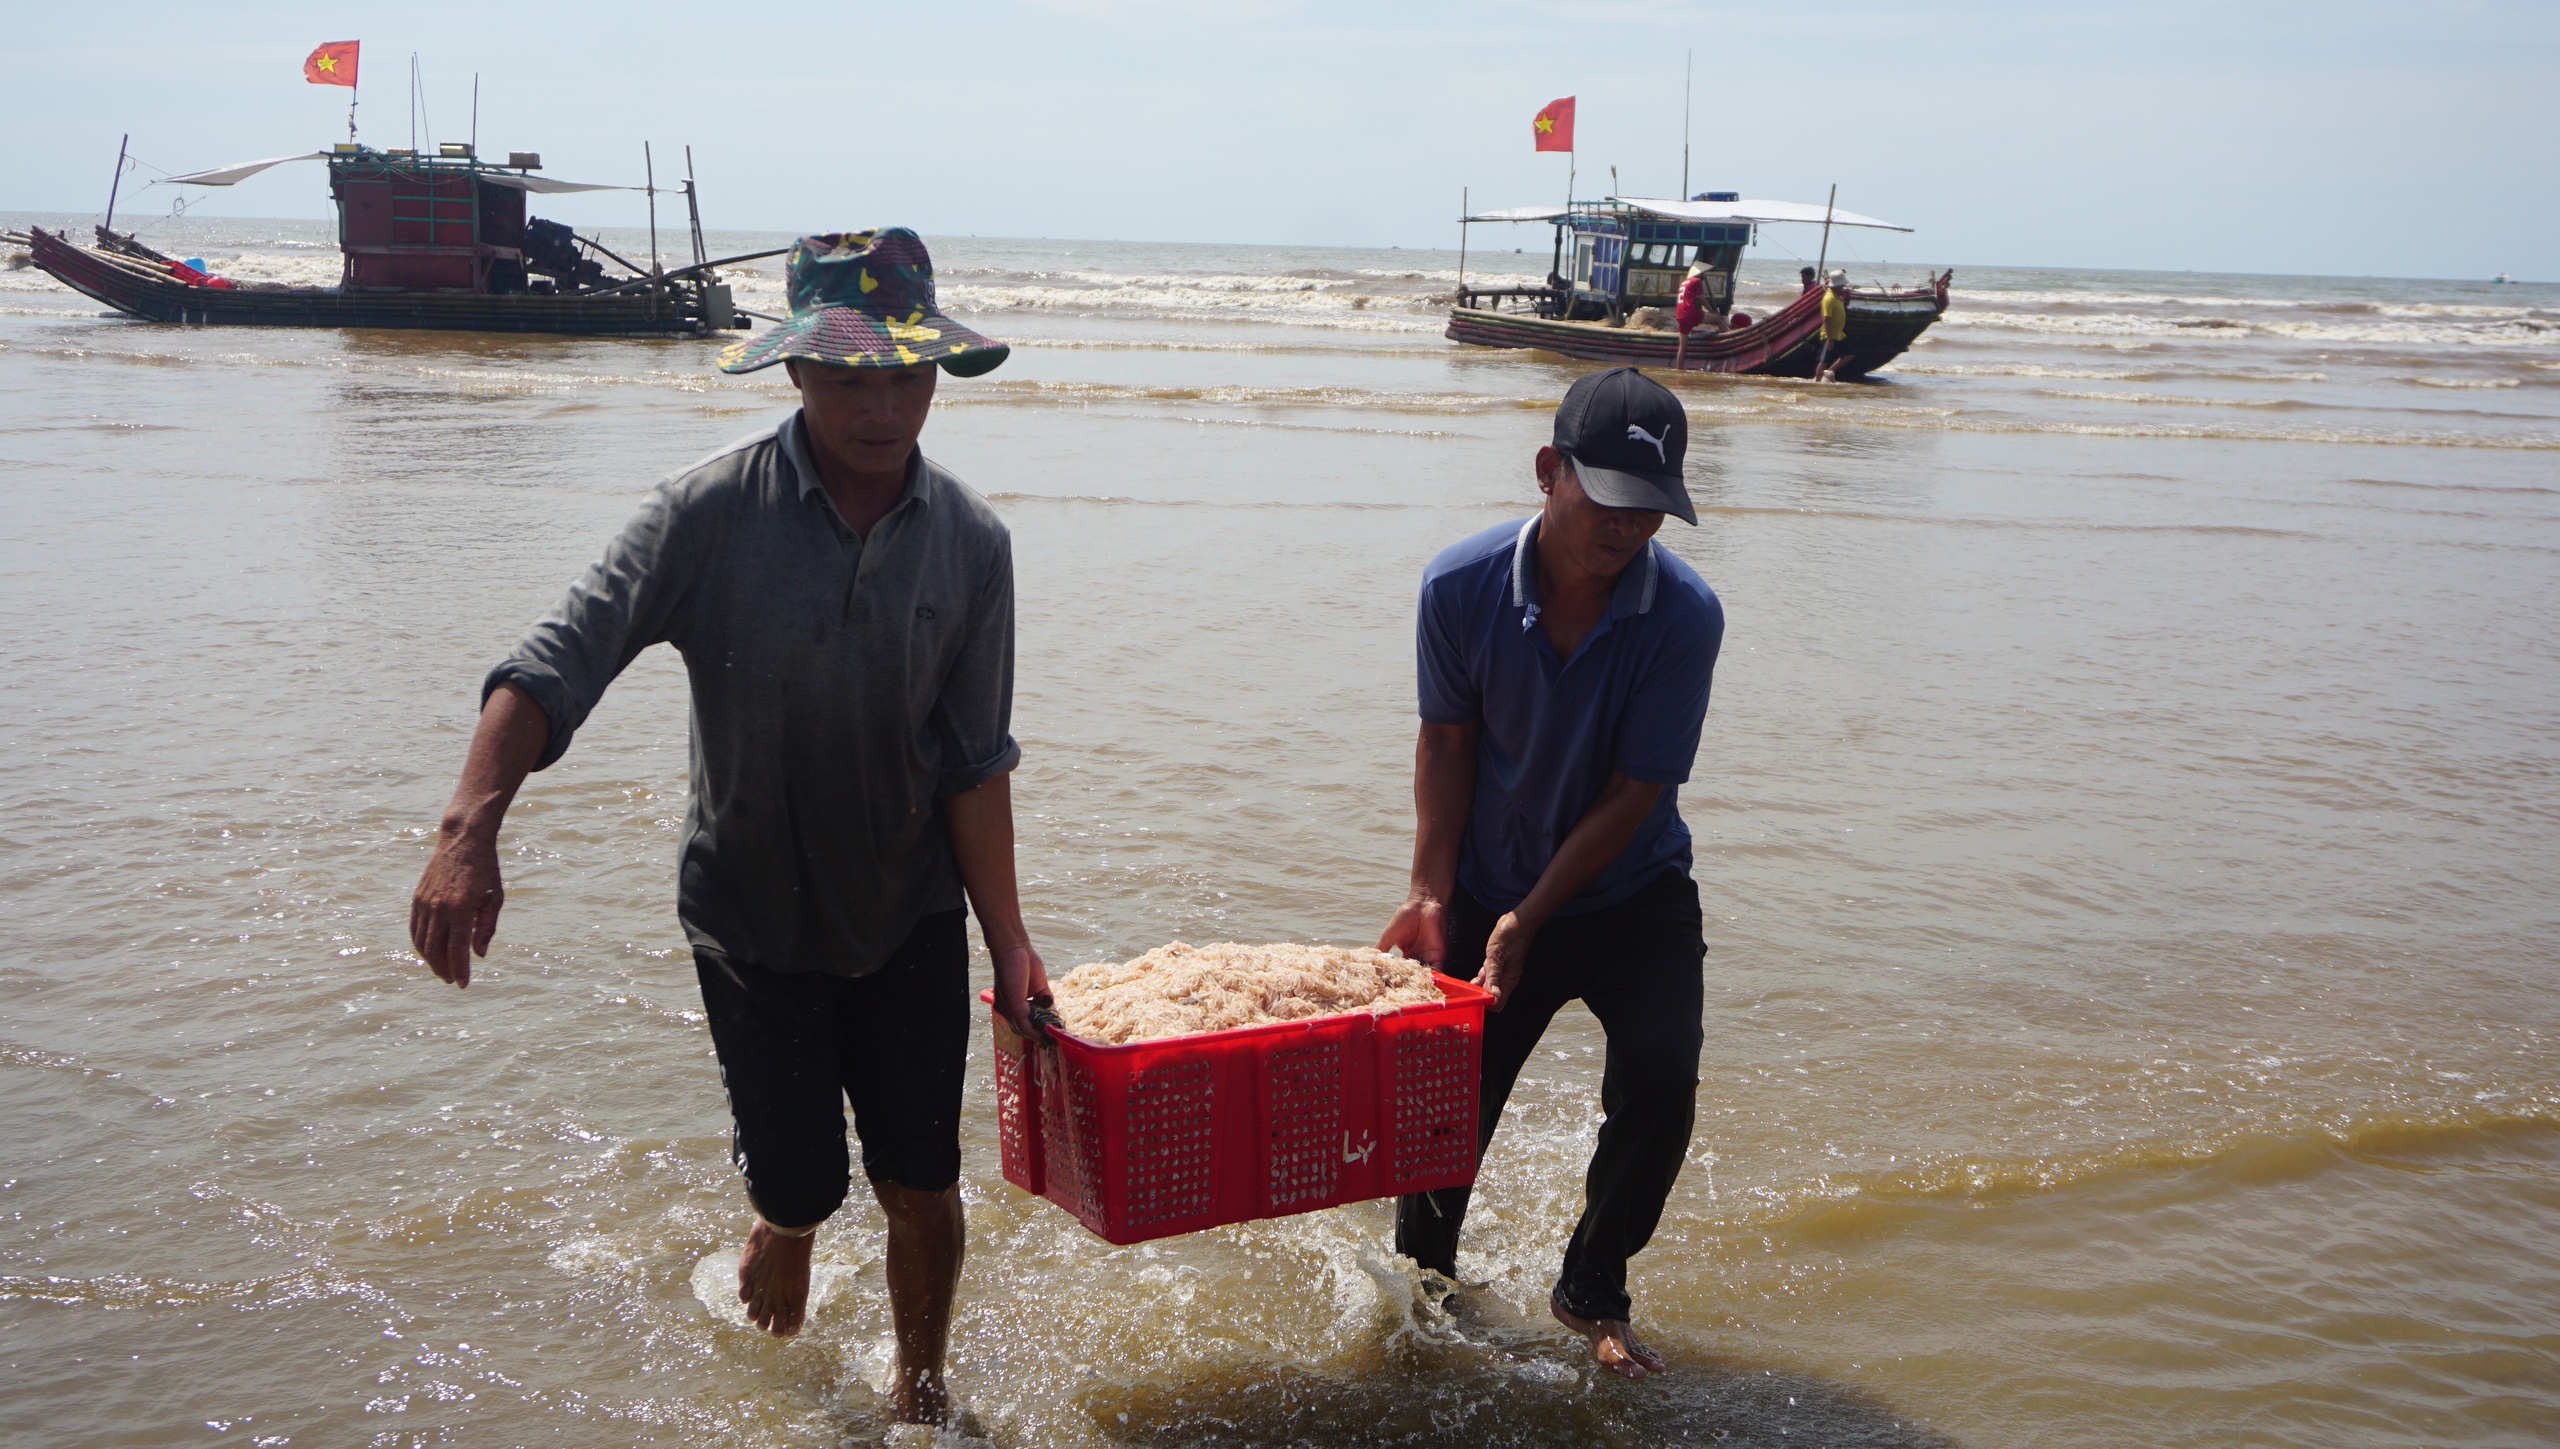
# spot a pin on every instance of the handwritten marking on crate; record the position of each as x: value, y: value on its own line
x: 1304, y: 1090
x: 1434, y: 1128
x: 1171, y: 1111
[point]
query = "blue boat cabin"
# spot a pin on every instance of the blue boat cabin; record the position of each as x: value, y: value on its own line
x: 1612, y: 259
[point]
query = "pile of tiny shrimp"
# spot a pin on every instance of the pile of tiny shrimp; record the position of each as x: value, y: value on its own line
x: 1179, y: 990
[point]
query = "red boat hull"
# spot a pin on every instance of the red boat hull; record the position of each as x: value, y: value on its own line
x: 1788, y: 343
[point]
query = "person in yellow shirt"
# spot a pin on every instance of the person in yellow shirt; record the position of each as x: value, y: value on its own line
x: 1835, y: 324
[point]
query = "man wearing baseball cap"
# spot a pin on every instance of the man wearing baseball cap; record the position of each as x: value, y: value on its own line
x: 844, y: 607
x: 1564, y: 663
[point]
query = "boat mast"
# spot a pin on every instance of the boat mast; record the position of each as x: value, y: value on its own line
x: 649, y: 172
x: 1820, y: 275
x: 1687, y: 68
x: 1463, y: 213
x: 118, y: 183
x: 694, y: 206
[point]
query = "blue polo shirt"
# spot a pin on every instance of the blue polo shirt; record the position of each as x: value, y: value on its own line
x: 1631, y: 699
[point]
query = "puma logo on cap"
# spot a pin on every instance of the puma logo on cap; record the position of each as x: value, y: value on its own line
x: 1634, y: 432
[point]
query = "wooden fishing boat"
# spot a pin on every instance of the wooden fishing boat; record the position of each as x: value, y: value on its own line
x: 1616, y: 259
x: 430, y: 241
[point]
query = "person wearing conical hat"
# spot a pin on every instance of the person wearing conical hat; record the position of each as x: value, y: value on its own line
x: 1835, y: 325
x: 844, y: 608
x: 1690, y: 311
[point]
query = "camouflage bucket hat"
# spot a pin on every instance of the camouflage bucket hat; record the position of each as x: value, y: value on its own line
x: 865, y: 299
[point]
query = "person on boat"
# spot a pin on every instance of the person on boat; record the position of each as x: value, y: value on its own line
x: 844, y: 607
x: 1689, y: 312
x: 1564, y: 663
x: 1805, y: 275
x: 1835, y: 326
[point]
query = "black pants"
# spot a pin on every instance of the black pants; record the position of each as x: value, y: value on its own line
x: 1636, y: 965
x: 794, y: 1045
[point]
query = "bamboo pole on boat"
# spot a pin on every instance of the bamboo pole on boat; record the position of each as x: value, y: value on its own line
x: 1822, y: 281
x: 1688, y: 72
x: 644, y: 279
x: 693, y: 205
x: 1824, y: 259
x: 117, y: 184
x: 638, y: 271
x: 649, y: 177
x: 1463, y: 214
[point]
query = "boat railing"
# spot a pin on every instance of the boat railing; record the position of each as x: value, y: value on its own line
x: 1491, y: 299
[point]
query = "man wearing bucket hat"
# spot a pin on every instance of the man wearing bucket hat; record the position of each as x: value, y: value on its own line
x: 844, y: 608
x: 1564, y: 664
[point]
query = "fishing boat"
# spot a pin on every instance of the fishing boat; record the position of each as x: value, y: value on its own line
x: 430, y: 240
x: 1618, y: 266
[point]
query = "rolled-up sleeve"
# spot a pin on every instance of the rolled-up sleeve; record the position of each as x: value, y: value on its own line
x: 626, y: 601
x: 973, y: 716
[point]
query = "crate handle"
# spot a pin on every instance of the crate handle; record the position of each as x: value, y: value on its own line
x: 1045, y: 1019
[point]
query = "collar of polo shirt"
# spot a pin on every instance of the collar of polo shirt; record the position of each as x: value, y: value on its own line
x: 1632, y: 595
x: 794, y: 435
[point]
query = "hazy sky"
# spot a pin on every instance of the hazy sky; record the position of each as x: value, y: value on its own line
x: 2341, y: 137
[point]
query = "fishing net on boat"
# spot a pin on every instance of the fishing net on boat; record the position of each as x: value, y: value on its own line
x: 1177, y: 990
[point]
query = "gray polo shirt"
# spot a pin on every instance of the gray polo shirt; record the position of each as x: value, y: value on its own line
x: 842, y: 688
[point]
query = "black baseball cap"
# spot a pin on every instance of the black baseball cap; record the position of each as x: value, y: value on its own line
x: 1626, y: 435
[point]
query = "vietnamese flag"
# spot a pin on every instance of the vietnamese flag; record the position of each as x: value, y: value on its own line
x: 1553, y: 127
x: 334, y: 64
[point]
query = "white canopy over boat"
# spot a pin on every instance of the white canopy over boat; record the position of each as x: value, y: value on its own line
x: 230, y: 175
x: 1753, y: 211
x: 545, y: 184
x: 226, y: 175
x: 1702, y: 211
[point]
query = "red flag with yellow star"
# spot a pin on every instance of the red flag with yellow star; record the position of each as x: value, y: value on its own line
x: 333, y: 64
x: 1554, y: 126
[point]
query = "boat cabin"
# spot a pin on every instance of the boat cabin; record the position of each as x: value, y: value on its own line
x: 1623, y: 253
x: 1623, y: 258
x: 409, y: 221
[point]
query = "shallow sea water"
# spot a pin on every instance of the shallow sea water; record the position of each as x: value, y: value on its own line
x: 2126, y: 822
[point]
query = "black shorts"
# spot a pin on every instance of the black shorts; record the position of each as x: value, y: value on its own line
x: 794, y: 1046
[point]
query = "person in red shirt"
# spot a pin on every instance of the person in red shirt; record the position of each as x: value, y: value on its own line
x: 1691, y: 311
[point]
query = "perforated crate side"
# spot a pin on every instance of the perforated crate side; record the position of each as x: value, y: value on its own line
x: 1071, y: 1136
x: 1433, y: 1102
x: 1014, y: 1124
x: 1168, y: 1145
x: 1303, y: 1158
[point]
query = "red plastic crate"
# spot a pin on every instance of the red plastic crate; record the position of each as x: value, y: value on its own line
x: 1183, y: 1133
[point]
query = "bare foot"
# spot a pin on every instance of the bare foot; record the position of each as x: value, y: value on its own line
x: 1613, y: 1343
x: 920, y: 1398
x: 773, y: 1279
